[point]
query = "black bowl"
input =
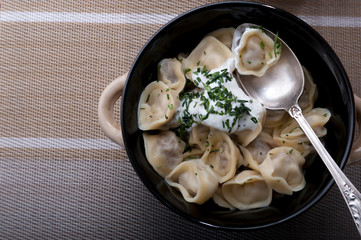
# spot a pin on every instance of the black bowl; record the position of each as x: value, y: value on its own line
x: 181, y: 35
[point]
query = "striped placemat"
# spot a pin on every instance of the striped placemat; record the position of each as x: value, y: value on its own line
x: 60, y: 177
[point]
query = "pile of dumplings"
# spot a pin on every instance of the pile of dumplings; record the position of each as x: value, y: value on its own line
x: 236, y: 172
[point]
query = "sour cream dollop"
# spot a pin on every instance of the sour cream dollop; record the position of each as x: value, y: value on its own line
x: 218, y: 102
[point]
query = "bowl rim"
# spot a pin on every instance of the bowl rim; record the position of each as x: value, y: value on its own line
x: 299, y: 21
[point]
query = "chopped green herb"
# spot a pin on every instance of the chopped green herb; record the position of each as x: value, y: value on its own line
x: 292, y: 130
x: 262, y: 44
x: 147, y: 98
x: 254, y: 119
x: 187, y: 70
x: 216, y: 150
x: 212, y: 166
x: 277, y: 46
x: 258, y: 27
x: 291, y: 151
x: 249, y: 62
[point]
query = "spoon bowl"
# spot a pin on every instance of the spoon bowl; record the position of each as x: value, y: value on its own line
x: 279, y: 89
x: 286, y: 84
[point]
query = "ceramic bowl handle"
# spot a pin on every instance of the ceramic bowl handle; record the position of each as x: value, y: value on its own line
x: 109, y: 96
x: 355, y: 156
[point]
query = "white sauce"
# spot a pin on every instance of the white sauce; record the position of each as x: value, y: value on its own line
x: 226, y: 122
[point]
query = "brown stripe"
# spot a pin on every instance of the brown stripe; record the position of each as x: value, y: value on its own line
x: 314, y: 8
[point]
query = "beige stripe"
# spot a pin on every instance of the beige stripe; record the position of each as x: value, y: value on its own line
x: 62, y: 154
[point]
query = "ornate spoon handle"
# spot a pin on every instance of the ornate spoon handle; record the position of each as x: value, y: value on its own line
x: 351, y: 195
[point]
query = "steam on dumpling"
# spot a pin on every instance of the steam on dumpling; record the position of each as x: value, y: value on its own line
x: 282, y: 170
x: 254, y: 50
x: 193, y: 179
x: 164, y: 151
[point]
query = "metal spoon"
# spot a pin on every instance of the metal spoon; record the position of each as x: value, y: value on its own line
x: 280, y: 89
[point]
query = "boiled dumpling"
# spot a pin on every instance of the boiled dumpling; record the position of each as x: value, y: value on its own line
x: 164, y: 151
x: 257, y: 150
x: 282, y: 170
x: 192, y: 153
x: 309, y: 94
x: 290, y: 134
x: 170, y: 72
x: 157, y: 105
x: 209, y: 53
x: 224, y: 35
x: 222, y: 155
x: 198, y: 136
x: 193, y: 179
x: 244, y: 137
x: 254, y: 50
x: 247, y: 190
x: 220, y: 200
x: 275, y: 118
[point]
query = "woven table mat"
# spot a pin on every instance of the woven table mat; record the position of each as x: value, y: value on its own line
x: 60, y: 177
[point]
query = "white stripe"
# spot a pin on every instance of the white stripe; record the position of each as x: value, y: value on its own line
x: 63, y: 143
x: 73, y: 17
x: 150, y: 18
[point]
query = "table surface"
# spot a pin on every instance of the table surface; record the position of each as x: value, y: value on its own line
x: 60, y: 177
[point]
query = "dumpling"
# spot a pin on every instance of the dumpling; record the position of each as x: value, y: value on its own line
x: 209, y: 53
x: 257, y: 150
x: 222, y: 155
x: 157, y: 105
x: 309, y: 94
x: 170, y: 72
x: 220, y: 200
x: 192, y: 153
x: 164, y: 151
x: 275, y: 118
x: 244, y: 137
x: 224, y: 35
x: 194, y: 181
x: 247, y: 190
x: 282, y: 170
x: 290, y: 134
x: 198, y: 136
x: 254, y: 50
